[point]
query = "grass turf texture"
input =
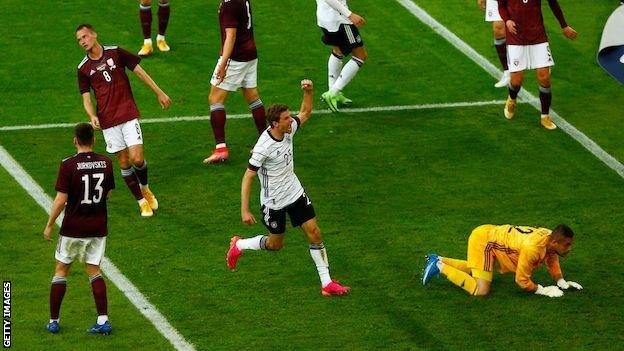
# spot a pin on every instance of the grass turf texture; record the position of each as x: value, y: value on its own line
x: 387, y: 187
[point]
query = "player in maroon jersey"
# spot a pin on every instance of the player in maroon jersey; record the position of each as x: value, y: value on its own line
x: 145, y: 15
x: 237, y: 67
x: 84, y: 183
x: 490, y: 7
x: 103, y: 70
x: 527, y: 48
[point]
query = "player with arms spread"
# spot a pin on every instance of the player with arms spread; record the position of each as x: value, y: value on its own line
x: 237, y: 67
x: 518, y: 249
x: 527, y: 48
x: 281, y: 192
x: 103, y: 70
x: 84, y: 183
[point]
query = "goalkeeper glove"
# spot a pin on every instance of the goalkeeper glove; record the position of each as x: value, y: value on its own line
x: 563, y: 284
x: 550, y: 291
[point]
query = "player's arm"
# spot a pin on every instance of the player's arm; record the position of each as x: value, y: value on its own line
x: 57, y: 207
x: 88, y: 106
x: 163, y: 99
x: 226, y: 53
x: 248, y: 177
x: 554, y: 269
x: 504, y: 13
x: 481, y: 4
x: 344, y: 11
x: 526, y: 262
x: 568, y: 31
x: 305, y: 111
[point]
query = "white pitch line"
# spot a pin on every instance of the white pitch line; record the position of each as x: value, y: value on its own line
x: 114, y: 275
x: 245, y: 115
x: 467, y: 50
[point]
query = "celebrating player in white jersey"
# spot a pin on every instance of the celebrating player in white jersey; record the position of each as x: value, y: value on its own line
x: 340, y: 31
x: 281, y: 192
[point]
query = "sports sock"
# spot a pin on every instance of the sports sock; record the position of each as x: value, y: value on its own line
x: 513, y: 91
x: 545, y: 95
x: 102, y: 319
x: 459, y: 264
x: 259, y: 115
x: 163, y: 17
x: 459, y: 278
x: 141, y: 173
x: 145, y: 14
x: 217, y: 121
x: 334, y: 66
x: 319, y: 255
x: 57, y: 292
x: 348, y: 72
x: 258, y: 242
x: 501, y: 50
x: 132, y: 182
x: 99, y: 295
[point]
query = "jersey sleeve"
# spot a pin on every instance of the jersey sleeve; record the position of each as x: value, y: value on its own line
x: 502, y: 10
x: 552, y: 264
x: 528, y: 260
x: 336, y: 5
x: 84, y: 83
x: 295, y: 124
x: 556, y: 9
x: 110, y: 176
x: 128, y: 59
x: 63, y: 180
x: 231, y: 14
x: 258, y: 156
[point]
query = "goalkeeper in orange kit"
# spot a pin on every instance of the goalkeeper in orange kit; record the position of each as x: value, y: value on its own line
x: 518, y: 249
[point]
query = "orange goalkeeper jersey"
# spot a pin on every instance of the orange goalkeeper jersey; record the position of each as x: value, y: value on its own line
x: 522, y: 249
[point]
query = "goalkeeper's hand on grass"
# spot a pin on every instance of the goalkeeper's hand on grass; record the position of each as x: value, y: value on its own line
x: 550, y: 291
x: 563, y: 284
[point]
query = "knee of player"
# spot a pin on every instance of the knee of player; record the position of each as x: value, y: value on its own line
x: 274, y: 246
x: 482, y: 291
x: 361, y: 57
x: 146, y: 2
x: 315, y: 235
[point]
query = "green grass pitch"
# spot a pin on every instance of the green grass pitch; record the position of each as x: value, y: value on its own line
x: 388, y: 187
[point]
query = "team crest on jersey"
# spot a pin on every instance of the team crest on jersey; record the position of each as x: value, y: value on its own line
x: 91, y: 73
x: 273, y: 225
x: 101, y: 67
x: 111, y: 63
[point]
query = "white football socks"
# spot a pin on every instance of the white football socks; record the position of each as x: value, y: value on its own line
x: 348, y: 72
x: 250, y: 244
x: 334, y: 66
x: 319, y: 255
x: 102, y: 319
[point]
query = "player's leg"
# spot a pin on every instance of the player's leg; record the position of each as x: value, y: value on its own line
x: 139, y: 166
x: 462, y: 265
x: 216, y: 99
x: 500, y: 43
x: 163, y: 21
x: 275, y: 222
x: 94, y: 252
x: 351, y: 68
x: 334, y: 67
x: 543, y: 60
x: 145, y: 16
x: 518, y: 62
x: 132, y: 181
x: 57, y: 292
x: 249, y: 86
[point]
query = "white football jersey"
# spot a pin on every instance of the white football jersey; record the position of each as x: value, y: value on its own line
x: 330, y: 14
x: 279, y: 186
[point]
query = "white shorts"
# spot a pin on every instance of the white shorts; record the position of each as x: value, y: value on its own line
x: 491, y: 11
x: 238, y: 75
x: 122, y: 136
x: 523, y: 57
x: 68, y: 248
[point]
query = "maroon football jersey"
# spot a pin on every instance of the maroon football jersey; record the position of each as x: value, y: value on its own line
x: 107, y: 77
x: 86, y: 178
x: 237, y: 14
x: 527, y: 14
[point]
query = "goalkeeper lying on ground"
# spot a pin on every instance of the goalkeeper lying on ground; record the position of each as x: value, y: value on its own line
x: 517, y: 249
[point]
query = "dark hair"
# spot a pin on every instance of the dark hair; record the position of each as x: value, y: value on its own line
x: 563, y: 230
x: 85, y: 25
x: 84, y: 134
x: 274, y: 112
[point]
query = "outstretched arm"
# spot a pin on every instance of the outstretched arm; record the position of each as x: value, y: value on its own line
x: 305, y: 111
x: 163, y: 99
x: 57, y: 207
